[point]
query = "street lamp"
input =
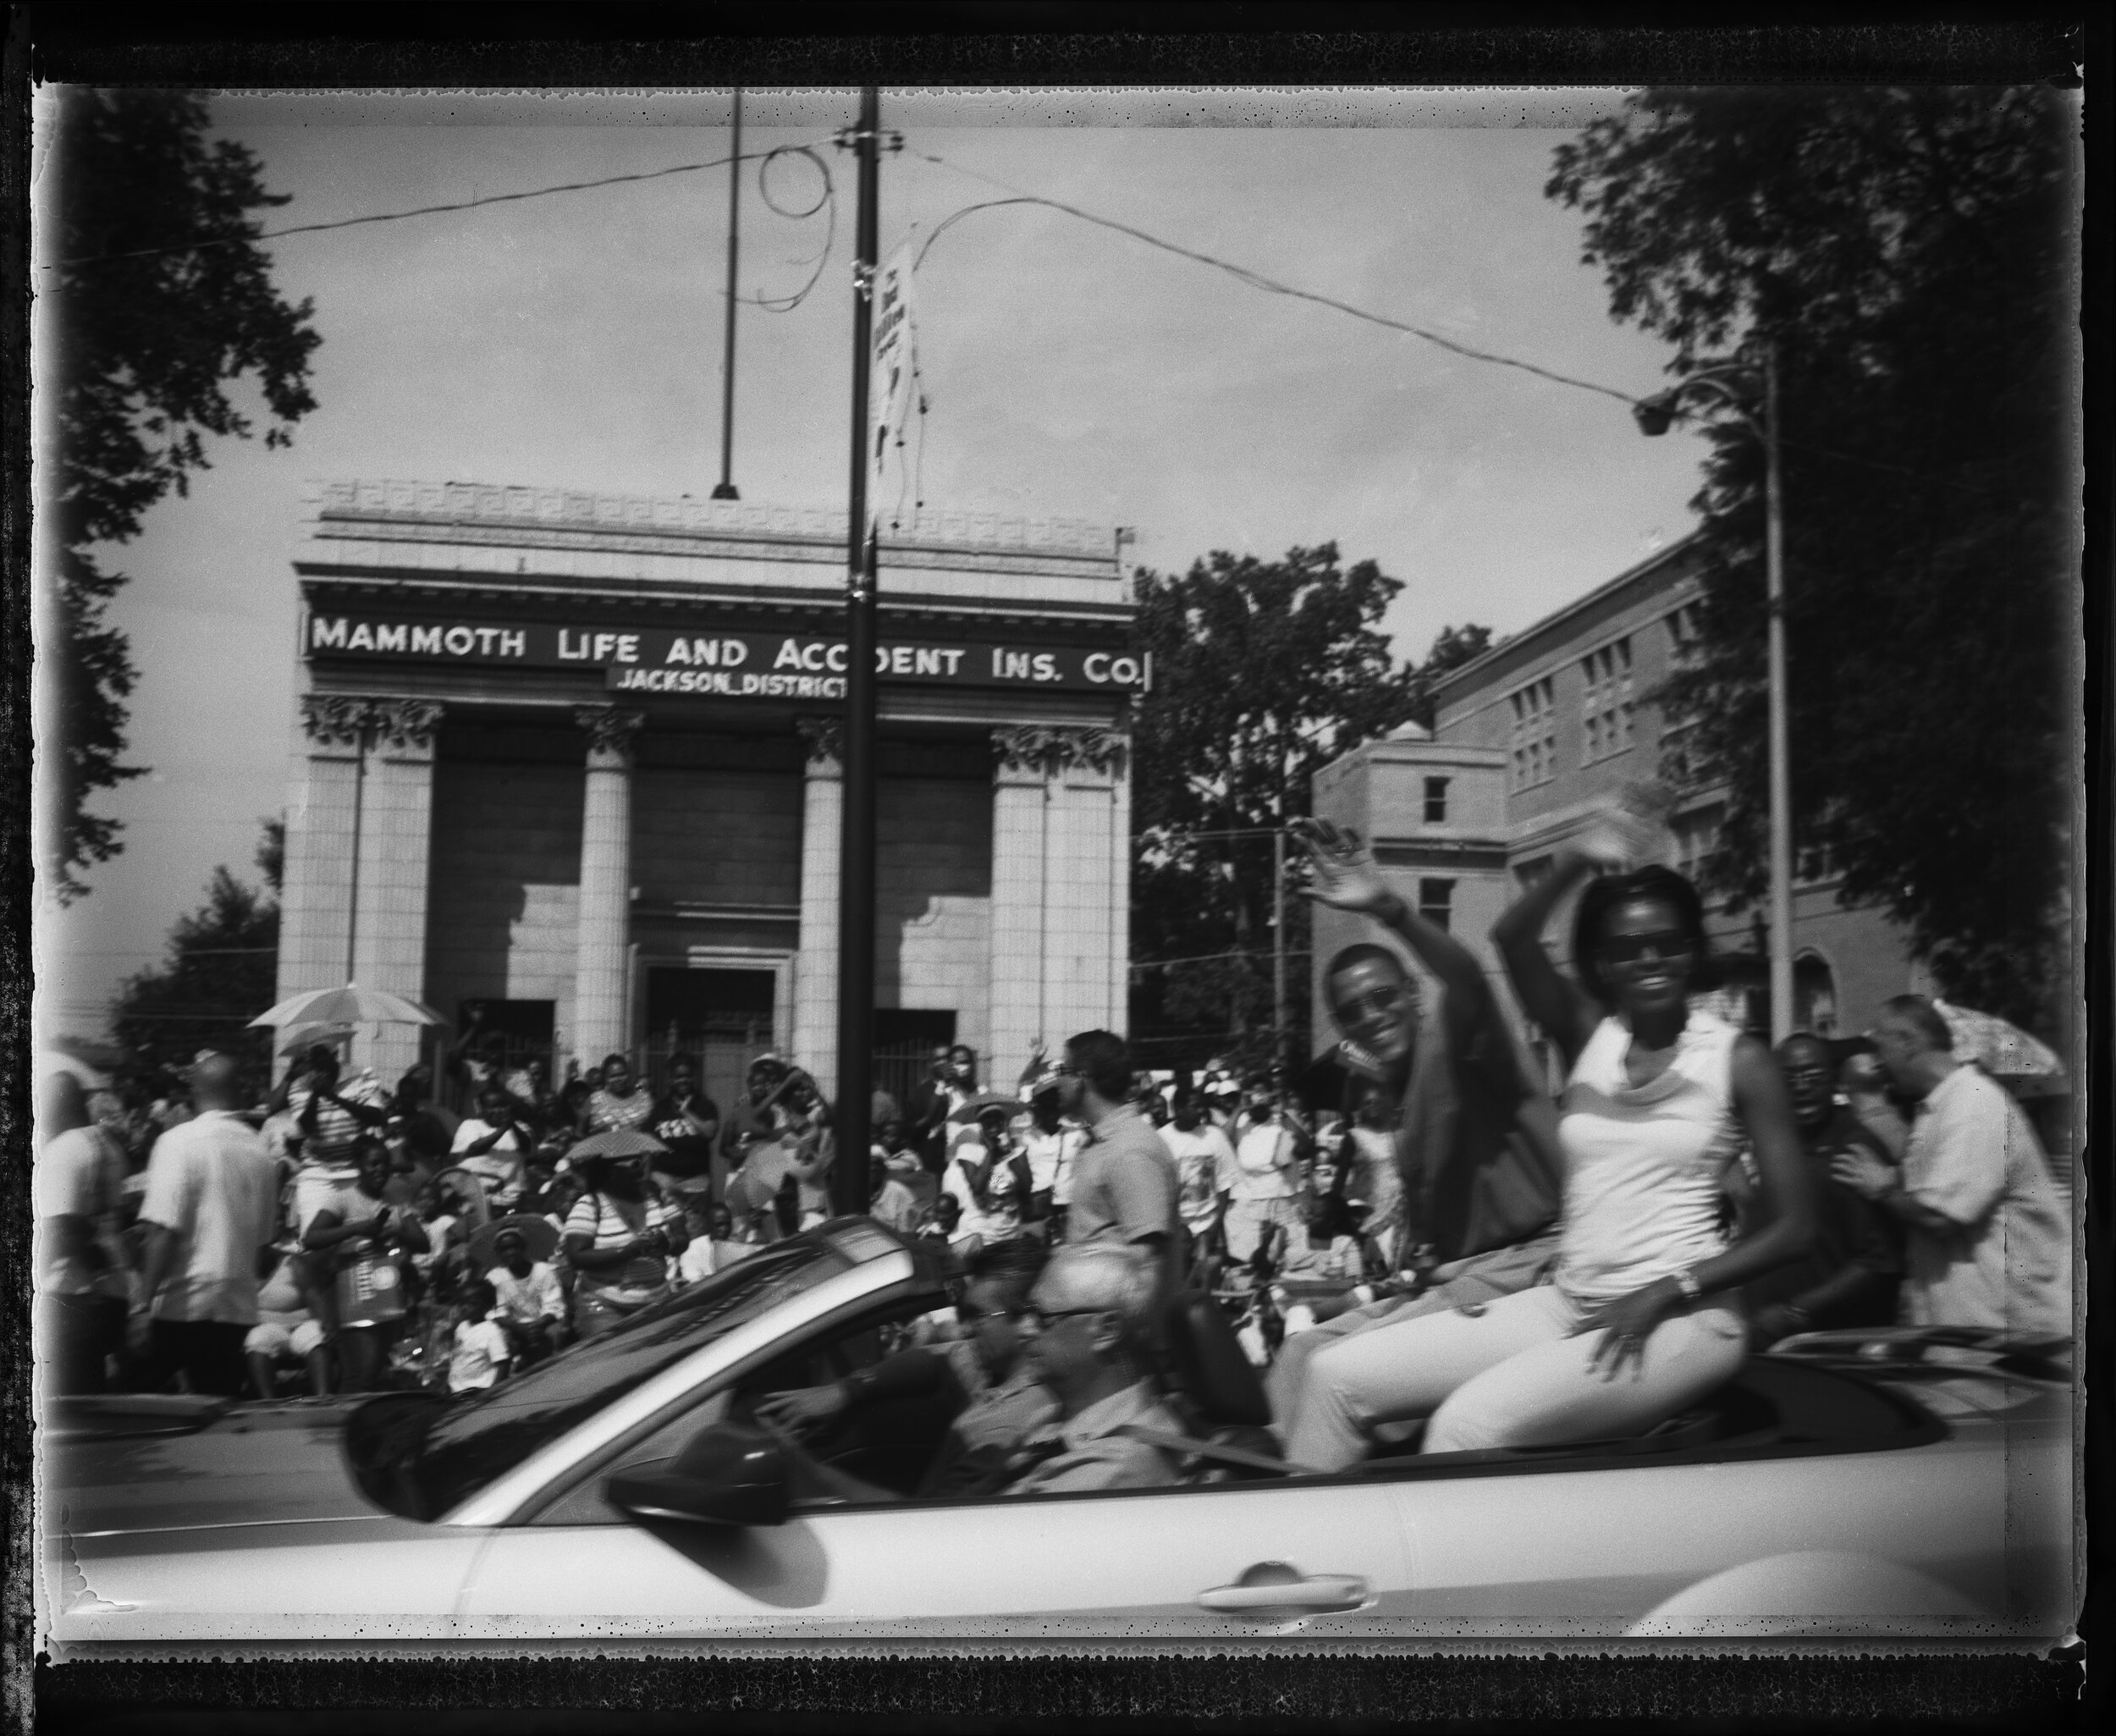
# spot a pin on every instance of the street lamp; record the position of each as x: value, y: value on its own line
x: 1654, y: 415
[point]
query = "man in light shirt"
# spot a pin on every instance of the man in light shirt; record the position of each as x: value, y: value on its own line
x: 1265, y: 1183
x: 1205, y: 1170
x: 210, y: 1212
x: 1986, y: 1240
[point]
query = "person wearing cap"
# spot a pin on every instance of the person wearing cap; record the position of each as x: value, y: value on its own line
x: 619, y: 1238
x: 755, y: 1118
x: 989, y: 1178
x: 531, y: 1303
x: 210, y: 1212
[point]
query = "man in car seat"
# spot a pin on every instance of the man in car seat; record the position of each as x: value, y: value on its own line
x: 1476, y: 1144
x: 1087, y: 1321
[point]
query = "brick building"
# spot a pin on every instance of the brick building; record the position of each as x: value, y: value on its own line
x: 576, y: 756
x: 1527, y: 738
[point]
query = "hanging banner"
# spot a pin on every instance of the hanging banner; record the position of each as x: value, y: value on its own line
x: 889, y: 499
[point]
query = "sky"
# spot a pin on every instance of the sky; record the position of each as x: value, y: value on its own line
x: 1070, y: 371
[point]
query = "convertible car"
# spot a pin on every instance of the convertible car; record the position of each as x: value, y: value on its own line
x: 1901, y: 1484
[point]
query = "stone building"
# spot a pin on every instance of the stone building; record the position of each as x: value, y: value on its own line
x: 1527, y: 738
x: 576, y: 756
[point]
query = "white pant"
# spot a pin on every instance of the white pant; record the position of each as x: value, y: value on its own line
x: 1509, y: 1375
x: 1248, y: 1220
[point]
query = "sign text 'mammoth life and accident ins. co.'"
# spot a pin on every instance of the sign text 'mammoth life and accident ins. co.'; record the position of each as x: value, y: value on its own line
x: 720, y: 664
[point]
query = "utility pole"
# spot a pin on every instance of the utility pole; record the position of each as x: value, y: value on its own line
x: 856, y: 860
x: 1278, y: 942
x: 1780, y: 772
x: 727, y: 490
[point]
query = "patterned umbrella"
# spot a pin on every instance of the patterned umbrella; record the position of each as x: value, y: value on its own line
x: 2001, y: 1048
x: 617, y: 1142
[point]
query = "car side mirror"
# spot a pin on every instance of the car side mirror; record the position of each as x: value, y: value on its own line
x: 730, y: 1473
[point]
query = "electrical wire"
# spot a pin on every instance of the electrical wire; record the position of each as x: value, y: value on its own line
x: 827, y: 198
x: 1255, y: 280
x: 348, y: 223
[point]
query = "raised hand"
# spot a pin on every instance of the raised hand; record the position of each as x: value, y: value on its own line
x: 1346, y: 877
x: 1628, y: 829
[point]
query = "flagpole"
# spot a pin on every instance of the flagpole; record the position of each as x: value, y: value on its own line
x: 856, y: 860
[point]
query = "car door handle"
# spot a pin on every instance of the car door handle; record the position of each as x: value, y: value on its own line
x: 1273, y: 1590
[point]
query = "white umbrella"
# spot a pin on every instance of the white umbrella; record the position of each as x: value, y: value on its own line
x: 1998, y: 1046
x: 311, y: 1032
x: 350, y: 1005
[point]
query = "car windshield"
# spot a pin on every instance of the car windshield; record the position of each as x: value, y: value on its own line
x: 420, y: 1456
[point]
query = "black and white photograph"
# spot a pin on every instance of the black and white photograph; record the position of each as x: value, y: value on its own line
x: 1212, y: 868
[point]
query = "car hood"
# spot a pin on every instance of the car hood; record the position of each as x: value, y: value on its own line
x: 249, y: 1465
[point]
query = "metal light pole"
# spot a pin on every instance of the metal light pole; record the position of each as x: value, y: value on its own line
x: 727, y: 490
x: 855, y: 859
x: 1278, y: 942
x: 1654, y: 415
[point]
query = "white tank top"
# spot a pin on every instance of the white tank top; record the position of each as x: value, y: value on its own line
x: 1644, y: 1164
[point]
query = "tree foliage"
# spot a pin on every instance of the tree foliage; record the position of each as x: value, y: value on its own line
x: 143, y: 351
x: 1907, y: 254
x: 1264, y: 672
x: 220, y: 974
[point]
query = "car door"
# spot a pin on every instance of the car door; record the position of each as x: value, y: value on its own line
x: 1321, y: 1557
x: 1213, y: 1561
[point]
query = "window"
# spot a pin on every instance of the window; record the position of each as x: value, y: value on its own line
x: 1435, y: 802
x: 1435, y: 902
x: 1608, y: 707
x: 1697, y: 840
x: 1534, y: 733
x: 1683, y: 633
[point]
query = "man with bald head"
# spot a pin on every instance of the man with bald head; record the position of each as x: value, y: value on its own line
x: 1848, y: 1277
x: 1987, y: 1239
x: 210, y: 1211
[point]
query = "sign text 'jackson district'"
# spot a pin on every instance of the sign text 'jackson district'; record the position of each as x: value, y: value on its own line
x: 722, y: 665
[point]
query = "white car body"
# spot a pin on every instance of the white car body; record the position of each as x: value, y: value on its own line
x: 254, y: 1528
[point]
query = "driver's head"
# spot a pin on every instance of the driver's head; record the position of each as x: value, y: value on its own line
x: 1374, y: 1001
x: 990, y: 1312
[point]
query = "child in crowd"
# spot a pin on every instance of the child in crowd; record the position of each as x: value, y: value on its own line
x: 286, y: 1332
x: 482, y: 1353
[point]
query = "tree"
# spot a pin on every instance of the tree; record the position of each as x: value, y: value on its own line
x: 1264, y: 672
x: 220, y: 972
x: 1907, y: 253
x: 143, y: 349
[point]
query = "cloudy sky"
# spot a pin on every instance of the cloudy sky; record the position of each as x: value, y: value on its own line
x: 1070, y: 371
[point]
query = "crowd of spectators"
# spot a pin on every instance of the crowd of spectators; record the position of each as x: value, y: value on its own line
x: 1691, y: 1196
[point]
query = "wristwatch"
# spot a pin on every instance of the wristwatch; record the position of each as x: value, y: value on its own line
x: 1686, y: 1280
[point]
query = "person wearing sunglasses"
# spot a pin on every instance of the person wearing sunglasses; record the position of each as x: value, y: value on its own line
x: 1474, y: 1146
x: 1086, y: 1329
x: 1643, y: 1315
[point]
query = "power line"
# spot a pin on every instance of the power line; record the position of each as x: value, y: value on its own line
x: 1255, y: 280
x: 348, y: 223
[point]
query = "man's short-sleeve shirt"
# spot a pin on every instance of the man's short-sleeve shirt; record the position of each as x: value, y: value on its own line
x: 1090, y: 1451
x: 1124, y: 1183
x: 79, y: 1174
x: 213, y: 1185
x: 2006, y: 1261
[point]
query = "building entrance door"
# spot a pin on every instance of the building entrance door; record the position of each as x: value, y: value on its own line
x: 723, y: 1017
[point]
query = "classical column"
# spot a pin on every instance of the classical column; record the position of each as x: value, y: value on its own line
x: 815, y: 1021
x: 1020, y: 797
x: 315, y: 904
x: 1084, y: 895
x: 601, y: 1018
x: 395, y: 830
